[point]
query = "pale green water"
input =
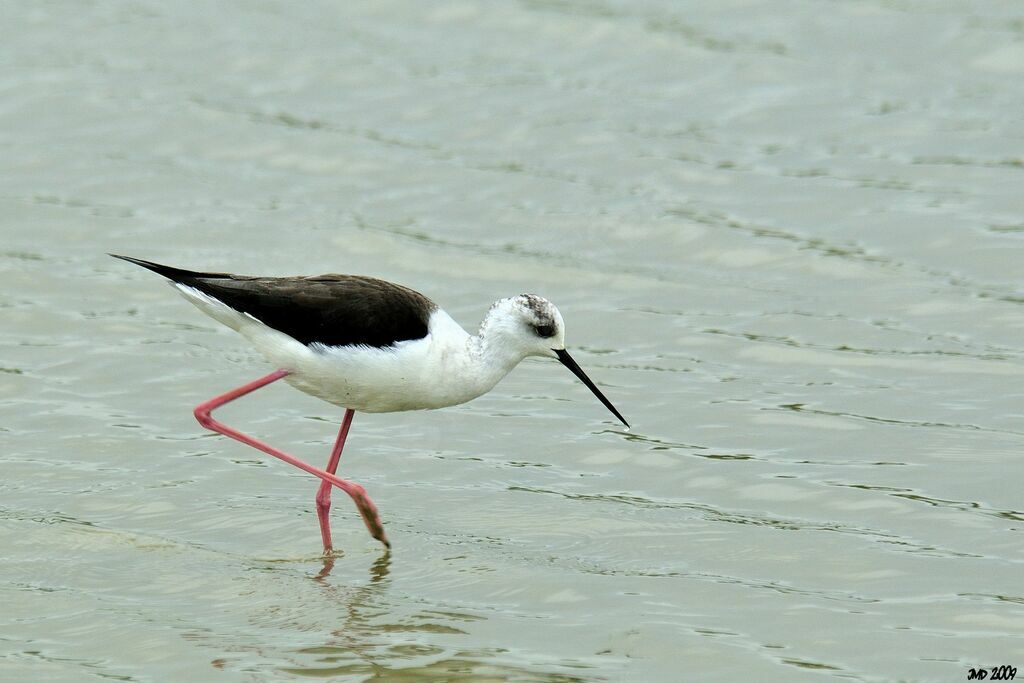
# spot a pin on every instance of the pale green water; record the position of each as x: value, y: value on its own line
x: 787, y: 241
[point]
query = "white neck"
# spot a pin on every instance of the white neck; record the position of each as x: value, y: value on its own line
x: 492, y: 358
x: 467, y: 366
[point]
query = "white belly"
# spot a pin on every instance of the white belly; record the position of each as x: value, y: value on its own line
x: 436, y: 371
x: 432, y: 372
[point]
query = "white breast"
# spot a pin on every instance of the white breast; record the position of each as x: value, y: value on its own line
x: 433, y: 372
x: 442, y: 369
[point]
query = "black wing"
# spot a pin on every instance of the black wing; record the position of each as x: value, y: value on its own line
x: 334, y: 310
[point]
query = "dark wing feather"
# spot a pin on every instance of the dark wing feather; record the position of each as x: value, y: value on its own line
x: 333, y: 310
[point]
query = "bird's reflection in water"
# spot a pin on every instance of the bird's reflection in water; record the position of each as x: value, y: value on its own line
x: 379, y: 570
x: 359, y: 628
x: 352, y: 641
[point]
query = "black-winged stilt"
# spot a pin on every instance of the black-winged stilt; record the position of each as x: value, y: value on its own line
x: 366, y: 344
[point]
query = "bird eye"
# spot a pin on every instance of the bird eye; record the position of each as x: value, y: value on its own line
x: 544, y: 330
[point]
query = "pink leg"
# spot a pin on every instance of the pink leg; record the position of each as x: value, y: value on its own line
x: 323, y: 496
x: 358, y: 494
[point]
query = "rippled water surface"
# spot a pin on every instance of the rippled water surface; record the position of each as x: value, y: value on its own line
x: 786, y: 238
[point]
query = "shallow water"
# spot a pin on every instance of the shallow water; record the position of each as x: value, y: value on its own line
x: 787, y: 242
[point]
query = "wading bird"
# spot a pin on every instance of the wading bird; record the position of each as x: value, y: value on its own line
x: 370, y: 345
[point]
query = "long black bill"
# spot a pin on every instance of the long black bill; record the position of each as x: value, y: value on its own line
x: 568, y: 362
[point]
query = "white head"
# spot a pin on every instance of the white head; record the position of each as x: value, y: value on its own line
x: 529, y: 325
x: 525, y: 325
